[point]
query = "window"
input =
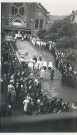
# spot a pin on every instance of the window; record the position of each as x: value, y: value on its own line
x: 36, y: 23
x: 12, y: 10
x: 21, y: 11
x: 41, y: 23
x: 18, y: 4
x: 16, y: 10
x: 17, y: 7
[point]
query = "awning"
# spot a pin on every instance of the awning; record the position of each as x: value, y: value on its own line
x: 14, y: 28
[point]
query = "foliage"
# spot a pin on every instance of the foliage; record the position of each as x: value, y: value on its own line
x: 63, y: 28
x: 63, y: 32
x: 51, y: 37
x: 66, y: 42
x: 41, y: 33
x: 71, y: 55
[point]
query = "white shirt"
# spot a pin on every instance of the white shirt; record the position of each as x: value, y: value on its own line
x: 9, y: 87
x: 25, y: 102
x: 50, y: 64
x: 45, y: 63
x: 30, y: 64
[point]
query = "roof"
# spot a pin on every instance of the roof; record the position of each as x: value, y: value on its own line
x: 56, y: 17
x: 42, y: 7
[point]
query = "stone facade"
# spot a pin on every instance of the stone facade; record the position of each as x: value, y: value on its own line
x: 29, y: 16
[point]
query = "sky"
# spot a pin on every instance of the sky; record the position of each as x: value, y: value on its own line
x: 60, y: 7
x: 55, y: 7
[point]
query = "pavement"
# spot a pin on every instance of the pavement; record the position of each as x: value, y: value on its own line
x: 52, y: 87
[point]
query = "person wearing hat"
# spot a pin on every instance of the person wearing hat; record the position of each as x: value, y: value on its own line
x: 30, y: 107
x: 12, y: 79
x: 52, y: 73
x: 9, y: 90
x: 17, y: 89
x: 13, y: 95
x: 44, y: 65
x: 45, y: 97
x: 59, y: 104
x: 5, y: 83
x: 41, y: 95
x: 42, y: 73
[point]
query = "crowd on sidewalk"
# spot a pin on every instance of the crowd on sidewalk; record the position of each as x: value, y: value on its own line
x: 69, y: 74
x: 23, y: 89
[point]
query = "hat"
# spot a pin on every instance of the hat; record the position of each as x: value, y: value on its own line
x: 45, y: 93
x: 11, y: 81
x: 36, y: 80
x: 11, y: 77
x: 61, y: 99
x: 12, y: 88
x: 38, y: 101
x: 21, y: 86
x: 42, y: 90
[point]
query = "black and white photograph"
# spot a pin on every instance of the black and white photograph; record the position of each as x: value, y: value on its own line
x: 38, y: 66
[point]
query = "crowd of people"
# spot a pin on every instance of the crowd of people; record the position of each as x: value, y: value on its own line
x: 69, y: 74
x: 23, y: 89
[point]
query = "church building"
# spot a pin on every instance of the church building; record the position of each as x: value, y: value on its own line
x: 28, y: 17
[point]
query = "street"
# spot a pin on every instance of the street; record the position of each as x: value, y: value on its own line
x: 52, y: 87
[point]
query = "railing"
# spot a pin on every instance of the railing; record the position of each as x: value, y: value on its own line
x: 62, y: 122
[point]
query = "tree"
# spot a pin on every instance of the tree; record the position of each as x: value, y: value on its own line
x: 41, y: 33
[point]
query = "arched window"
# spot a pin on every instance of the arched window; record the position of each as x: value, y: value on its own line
x: 36, y: 23
x: 41, y: 24
x: 12, y: 10
x: 21, y: 11
x: 16, y: 10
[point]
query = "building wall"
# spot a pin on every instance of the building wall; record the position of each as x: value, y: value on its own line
x: 32, y: 11
x: 35, y: 12
x: 23, y: 24
x: 4, y: 14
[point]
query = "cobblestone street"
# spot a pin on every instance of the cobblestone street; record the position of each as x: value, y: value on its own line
x: 55, y: 87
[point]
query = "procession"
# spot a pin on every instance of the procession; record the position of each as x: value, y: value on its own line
x: 38, y: 68
x: 22, y: 82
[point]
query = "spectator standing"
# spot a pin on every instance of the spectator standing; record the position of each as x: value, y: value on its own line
x: 25, y: 103
x: 13, y: 96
